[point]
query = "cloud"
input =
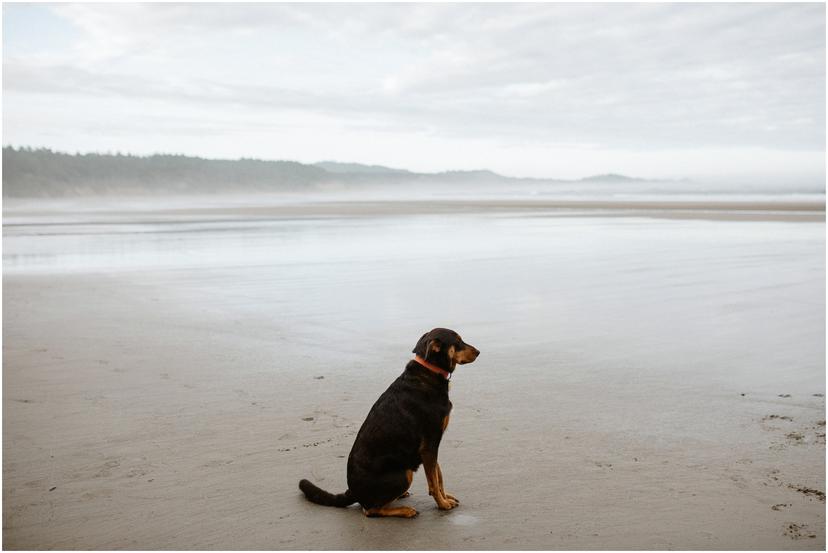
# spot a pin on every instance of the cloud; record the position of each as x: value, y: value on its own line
x: 644, y: 77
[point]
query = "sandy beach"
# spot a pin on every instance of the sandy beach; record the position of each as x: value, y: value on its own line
x: 651, y: 376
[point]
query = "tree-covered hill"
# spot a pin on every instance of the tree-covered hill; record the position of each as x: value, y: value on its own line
x: 44, y: 173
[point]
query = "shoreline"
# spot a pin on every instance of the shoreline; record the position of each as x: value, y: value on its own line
x: 805, y: 211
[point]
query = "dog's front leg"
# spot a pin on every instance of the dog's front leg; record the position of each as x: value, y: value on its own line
x: 442, y: 489
x: 435, y: 481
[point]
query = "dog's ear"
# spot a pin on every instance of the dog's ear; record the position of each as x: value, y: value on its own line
x: 420, y: 346
x: 426, y: 346
x: 434, y: 346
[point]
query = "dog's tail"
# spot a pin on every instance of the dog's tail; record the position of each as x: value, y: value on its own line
x: 320, y: 496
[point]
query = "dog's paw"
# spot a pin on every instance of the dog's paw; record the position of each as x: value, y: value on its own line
x: 447, y: 504
x: 452, y: 498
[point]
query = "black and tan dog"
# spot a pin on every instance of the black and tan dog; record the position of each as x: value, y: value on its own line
x: 403, y: 431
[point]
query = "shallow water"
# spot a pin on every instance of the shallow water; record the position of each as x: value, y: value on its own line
x: 724, y: 301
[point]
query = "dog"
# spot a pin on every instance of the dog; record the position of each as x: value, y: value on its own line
x: 403, y: 431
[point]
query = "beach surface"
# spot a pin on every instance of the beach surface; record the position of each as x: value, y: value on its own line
x: 652, y: 375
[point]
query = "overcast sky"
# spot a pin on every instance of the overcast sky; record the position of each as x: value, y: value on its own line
x: 523, y: 89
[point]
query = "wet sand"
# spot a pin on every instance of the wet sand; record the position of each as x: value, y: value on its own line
x: 180, y: 208
x: 644, y: 382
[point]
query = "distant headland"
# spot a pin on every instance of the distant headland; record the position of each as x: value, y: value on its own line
x: 40, y: 172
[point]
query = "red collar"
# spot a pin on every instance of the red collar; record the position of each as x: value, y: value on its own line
x: 433, y: 368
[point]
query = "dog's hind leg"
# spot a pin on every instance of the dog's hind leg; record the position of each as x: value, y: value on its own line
x: 396, y: 483
x: 409, y: 474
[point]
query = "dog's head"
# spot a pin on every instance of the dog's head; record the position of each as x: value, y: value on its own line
x: 445, y: 348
